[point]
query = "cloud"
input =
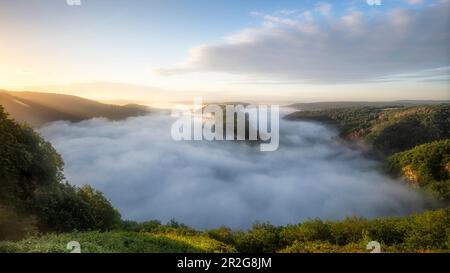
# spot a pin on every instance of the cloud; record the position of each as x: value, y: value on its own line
x: 352, y: 47
x: 204, y: 184
x: 440, y: 74
x: 287, y: 11
x: 324, y: 8
x: 415, y: 2
x: 374, y: 2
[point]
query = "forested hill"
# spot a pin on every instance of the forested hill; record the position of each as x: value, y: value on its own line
x: 39, y: 108
x: 412, y: 141
x: 34, y: 196
x: 308, y: 106
x: 389, y: 130
x: 427, y: 166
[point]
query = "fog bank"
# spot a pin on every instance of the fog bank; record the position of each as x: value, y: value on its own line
x: 147, y: 175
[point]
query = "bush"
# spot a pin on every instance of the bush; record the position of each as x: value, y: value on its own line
x: 323, y: 247
x: 104, y: 215
x: 222, y: 234
x: 390, y: 231
x: 312, y: 230
x: 262, y: 237
x: 59, y: 208
x: 429, y: 230
x: 349, y: 230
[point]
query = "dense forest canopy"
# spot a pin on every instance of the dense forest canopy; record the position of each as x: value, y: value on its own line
x: 388, y: 130
x: 34, y: 194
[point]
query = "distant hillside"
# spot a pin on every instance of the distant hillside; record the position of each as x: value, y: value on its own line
x: 40, y: 108
x: 389, y: 130
x: 413, y: 141
x: 345, y: 104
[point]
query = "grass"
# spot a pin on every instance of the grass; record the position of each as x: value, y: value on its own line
x: 326, y: 247
x: 113, y: 242
x: 425, y: 232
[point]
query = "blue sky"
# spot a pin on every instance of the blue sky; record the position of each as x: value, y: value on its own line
x: 151, y: 43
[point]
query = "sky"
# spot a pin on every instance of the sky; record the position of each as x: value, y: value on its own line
x: 227, y: 49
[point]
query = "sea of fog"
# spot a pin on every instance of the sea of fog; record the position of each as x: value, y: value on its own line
x: 147, y: 175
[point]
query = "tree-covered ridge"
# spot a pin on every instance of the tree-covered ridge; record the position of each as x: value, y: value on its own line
x: 388, y: 130
x: 413, y: 141
x: 426, y: 165
x: 39, y: 108
x: 34, y: 195
x: 348, y: 104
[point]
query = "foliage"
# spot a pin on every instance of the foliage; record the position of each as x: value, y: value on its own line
x: 200, y: 241
x: 262, y: 237
x: 427, y: 165
x: 323, y: 247
x: 312, y: 230
x: 222, y: 234
x: 429, y: 231
x: 426, y: 232
x: 105, y: 216
x: 122, y: 242
x: 27, y: 162
x: 414, y: 141
x: 389, y: 130
x: 146, y: 226
x: 155, y: 226
x: 34, y: 191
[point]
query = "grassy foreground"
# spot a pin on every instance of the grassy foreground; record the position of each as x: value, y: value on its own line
x: 426, y: 232
x: 118, y: 242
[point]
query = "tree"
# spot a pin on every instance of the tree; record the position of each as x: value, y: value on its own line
x: 32, y: 186
x: 104, y: 214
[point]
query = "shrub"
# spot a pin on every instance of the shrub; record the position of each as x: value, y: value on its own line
x: 390, y: 231
x: 349, y: 230
x: 104, y: 215
x: 262, y: 237
x: 430, y: 230
x: 222, y: 234
x: 311, y: 230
